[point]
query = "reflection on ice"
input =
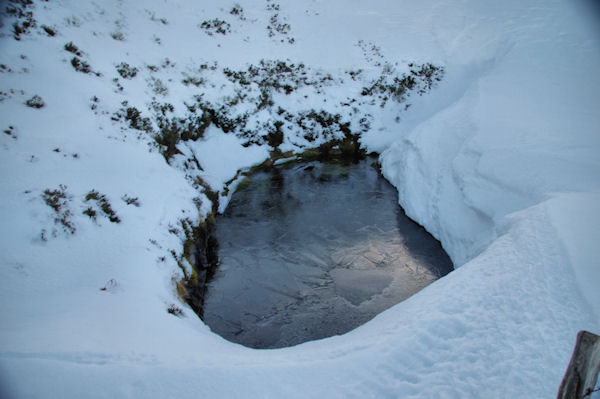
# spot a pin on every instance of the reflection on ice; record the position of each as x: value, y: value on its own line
x: 312, y: 250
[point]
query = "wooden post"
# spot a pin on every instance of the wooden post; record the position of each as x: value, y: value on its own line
x: 581, y: 375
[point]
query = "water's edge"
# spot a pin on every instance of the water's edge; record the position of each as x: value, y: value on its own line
x: 274, y: 277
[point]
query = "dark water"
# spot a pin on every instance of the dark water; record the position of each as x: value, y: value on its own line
x: 313, y: 250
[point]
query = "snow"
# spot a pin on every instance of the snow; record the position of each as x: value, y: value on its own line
x: 500, y: 162
x: 223, y: 155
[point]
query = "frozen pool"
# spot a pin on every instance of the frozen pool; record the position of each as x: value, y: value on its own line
x: 310, y: 250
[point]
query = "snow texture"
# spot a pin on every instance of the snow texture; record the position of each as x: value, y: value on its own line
x: 499, y: 161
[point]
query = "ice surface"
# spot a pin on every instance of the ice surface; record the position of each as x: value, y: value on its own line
x: 499, y: 162
x: 310, y: 250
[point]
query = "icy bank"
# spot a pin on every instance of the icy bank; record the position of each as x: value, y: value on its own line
x: 522, y: 133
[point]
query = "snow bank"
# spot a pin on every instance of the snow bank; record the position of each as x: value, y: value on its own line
x: 522, y: 133
x: 499, y: 162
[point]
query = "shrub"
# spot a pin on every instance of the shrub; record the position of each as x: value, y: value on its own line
x: 168, y: 138
x: 104, y: 205
x: 158, y: 87
x: 35, y: 102
x: 71, y: 48
x: 175, y: 311
x: 117, y: 35
x: 19, y: 9
x: 80, y: 66
x: 89, y: 211
x: 92, y: 195
x: 134, y: 117
x: 55, y: 199
x: 10, y: 131
x: 131, y: 200
x: 108, y: 211
x: 192, y: 80
x: 49, y: 31
x: 275, y: 136
x: 136, y: 121
x: 126, y: 71
x: 216, y: 26
x: 22, y: 27
x: 58, y: 200
x: 238, y: 11
x: 95, y: 100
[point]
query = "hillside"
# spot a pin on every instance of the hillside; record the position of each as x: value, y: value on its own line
x: 125, y: 126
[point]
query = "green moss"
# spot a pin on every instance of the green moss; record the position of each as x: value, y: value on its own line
x: 244, y: 184
x: 312, y: 154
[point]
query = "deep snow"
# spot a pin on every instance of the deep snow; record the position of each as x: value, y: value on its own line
x: 500, y: 162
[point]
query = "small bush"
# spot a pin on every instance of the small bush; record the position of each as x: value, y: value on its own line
x: 81, y: 66
x: 120, y: 87
x: 216, y: 26
x: 277, y: 26
x: 136, y: 121
x: 92, y: 195
x: 108, y: 211
x: 275, y: 136
x: 131, y: 200
x: 118, y: 36
x: 238, y: 11
x: 175, y: 310
x: 104, y: 205
x: 10, y: 131
x: 35, y: 102
x: 90, y: 212
x: 94, y: 105
x: 167, y: 139
x: 58, y: 200
x: 134, y: 117
x: 126, y: 71
x: 71, y: 48
x: 158, y: 87
x: 55, y: 199
x: 23, y: 27
x: 49, y: 31
x: 192, y: 80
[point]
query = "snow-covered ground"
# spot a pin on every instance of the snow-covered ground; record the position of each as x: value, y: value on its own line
x: 499, y: 161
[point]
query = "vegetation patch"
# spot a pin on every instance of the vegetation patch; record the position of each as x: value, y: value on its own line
x: 215, y: 26
x: 158, y: 87
x: 192, y: 80
x: 21, y: 11
x: 35, y: 102
x: 131, y: 200
x: 10, y: 131
x: 133, y: 117
x: 249, y: 110
x: 50, y: 31
x: 102, y: 205
x: 77, y: 62
x: 175, y: 310
x: 238, y: 11
x: 118, y: 35
x: 278, y: 25
x: 126, y: 71
x: 192, y: 287
x: 421, y: 79
x: 58, y: 200
x: 72, y: 48
x: 80, y: 66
